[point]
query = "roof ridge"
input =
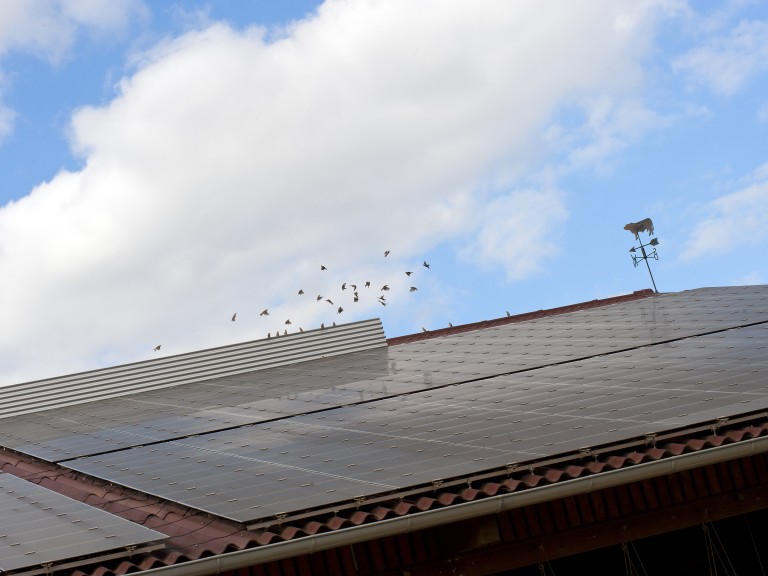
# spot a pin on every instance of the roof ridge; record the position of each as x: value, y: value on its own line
x: 636, y: 295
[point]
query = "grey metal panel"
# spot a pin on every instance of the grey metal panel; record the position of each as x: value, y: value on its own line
x: 38, y: 526
x: 192, y: 367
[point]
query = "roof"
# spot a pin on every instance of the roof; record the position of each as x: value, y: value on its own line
x: 238, y: 461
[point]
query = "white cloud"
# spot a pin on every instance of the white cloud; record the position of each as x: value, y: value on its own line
x: 519, y: 232
x: 726, y: 63
x: 228, y: 168
x: 733, y: 220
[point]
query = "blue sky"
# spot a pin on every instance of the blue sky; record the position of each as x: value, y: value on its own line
x: 168, y: 164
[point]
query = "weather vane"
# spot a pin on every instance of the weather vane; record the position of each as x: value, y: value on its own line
x: 643, y: 226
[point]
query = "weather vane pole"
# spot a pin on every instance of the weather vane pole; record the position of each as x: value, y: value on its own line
x: 635, y: 228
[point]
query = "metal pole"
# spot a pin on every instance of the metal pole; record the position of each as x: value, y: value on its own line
x: 645, y: 257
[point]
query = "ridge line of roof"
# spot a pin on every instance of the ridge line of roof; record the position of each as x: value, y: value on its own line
x: 636, y: 295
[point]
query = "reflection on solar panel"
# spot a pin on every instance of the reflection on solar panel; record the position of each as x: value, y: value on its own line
x: 255, y: 472
x: 39, y: 527
x: 173, y: 412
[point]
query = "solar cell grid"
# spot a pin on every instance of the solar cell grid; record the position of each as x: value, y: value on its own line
x: 40, y: 526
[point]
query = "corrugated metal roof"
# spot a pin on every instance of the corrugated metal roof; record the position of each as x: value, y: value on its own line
x: 192, y: 367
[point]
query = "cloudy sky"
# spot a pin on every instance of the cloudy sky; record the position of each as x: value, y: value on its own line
x: 165, y: 165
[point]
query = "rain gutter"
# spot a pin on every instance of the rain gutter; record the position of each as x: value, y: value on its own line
x: 466, y: 510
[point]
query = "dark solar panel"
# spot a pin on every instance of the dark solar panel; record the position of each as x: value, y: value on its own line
x: 312, y: 460
x: 217, y: 404
x: 40, y: 527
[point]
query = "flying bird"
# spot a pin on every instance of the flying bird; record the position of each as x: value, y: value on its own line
x: 157, y: 348
x: 323, y: 267
x: 413, y: 289
x: 426, y: 265
x: 386, y: 253
x: 408, y: 273
x: 301, y: 292
x: 234, y: 316
x: 319, y: 297
x: 353, y: 286
x: 385, y: 287
x: 264, y: 312
x: 340, y: 310
x: 367, y: 284
x: 287, y: 321
x: 356, y: 299
x: 382, y: 302
x: 329, y: 301
x: 344, y: 286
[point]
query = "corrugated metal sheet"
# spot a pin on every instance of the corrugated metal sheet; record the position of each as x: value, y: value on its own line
x: 192, y: 367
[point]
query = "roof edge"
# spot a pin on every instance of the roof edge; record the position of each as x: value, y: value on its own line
x: 636, y: 295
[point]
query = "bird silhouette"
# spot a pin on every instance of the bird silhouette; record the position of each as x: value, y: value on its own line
x: 301, y: 292
x: 408, y: 273
x: 367, y: 284
x: 413, y: 289
x: 264, y: 312
x: 285, y: 333
x: 353, y: 286
x: 356, y: 299
x: 301, y: 329
x: 426, y: 265
x: 319, y: 297
x: 385, y: 287
x: 424, y: 329
x: 329, y: 301
x: 382, y: 302
x: 340, y: 310
x: 287, y: 321
x: 386, y: 253
x: 323, y: 267
x: 234, y: 316
x: 322, y: 326
x: 508, y: 314
x: 450, y: 325
x: 344, y: 286
x: 269, y: 334
x: 157, y: 348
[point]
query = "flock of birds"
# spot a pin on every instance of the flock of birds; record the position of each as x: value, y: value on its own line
x: 348, y: 289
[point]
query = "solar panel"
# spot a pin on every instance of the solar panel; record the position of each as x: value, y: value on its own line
x: 254, y: 472
x: 245, y: 398
x: 39, y: 527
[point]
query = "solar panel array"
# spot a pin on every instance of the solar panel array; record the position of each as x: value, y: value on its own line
x: 39, y: 527
x: 283, y: 440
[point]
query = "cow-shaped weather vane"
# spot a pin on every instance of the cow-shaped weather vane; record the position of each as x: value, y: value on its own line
x: 635, y: 228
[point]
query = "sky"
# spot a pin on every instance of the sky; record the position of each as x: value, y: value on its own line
x: 167, y: 165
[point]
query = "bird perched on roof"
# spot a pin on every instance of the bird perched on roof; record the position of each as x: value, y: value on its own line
x: 301, y: 292
x: 450, y: 325
x: 234, y: 316
x: 413, y: 289
x: 323, y: 267
x: 157, y: 348
x: 426, y: 265
x: 301, y: 329
x: 264, y: 312
x: 285, y: 333
x: 508, y: 314
x: 424, y: 329
x: 340, y: 310
x: 353, y: 286
x: 386, y: 253
x: 269, y: 334
x: 322, y: 326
